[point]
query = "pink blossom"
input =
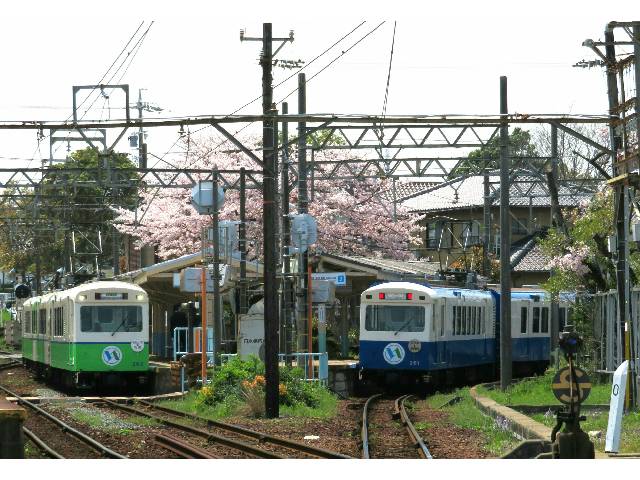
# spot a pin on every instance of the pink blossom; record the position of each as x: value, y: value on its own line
x: 573, y: 260
x: 352, y: 216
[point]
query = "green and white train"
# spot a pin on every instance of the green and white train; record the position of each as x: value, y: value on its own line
x: 95, y: 334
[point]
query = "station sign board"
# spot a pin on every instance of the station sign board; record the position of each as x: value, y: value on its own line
x: 338, y: 278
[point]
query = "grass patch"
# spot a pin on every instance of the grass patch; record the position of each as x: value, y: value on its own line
x: 238, y: 387
x: 537, y: 391
x: 597, y: 421
x: 464, y: 414
x: 144, y: 421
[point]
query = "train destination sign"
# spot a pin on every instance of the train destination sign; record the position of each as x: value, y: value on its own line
x: 562, y: 386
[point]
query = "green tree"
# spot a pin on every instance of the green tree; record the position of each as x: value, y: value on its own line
x: 488, y: 156
x: 78, y: 195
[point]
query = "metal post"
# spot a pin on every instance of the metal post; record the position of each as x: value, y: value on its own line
x: 286, y: 327
x: 554, y: 310
x: 505, y: 244
x: 203, y: 324
x: 486, y: 230
x: 142, y: 150
x: 301, y: 307
x: 242, y: 241
x: 270, y: 225
x: 217, y: 316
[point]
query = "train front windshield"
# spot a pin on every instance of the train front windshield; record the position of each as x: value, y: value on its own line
x: 394, y: 318
x: 111, y: 318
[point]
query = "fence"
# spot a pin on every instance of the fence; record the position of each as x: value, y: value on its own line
x: 607, y: 329
x: 181, y: 342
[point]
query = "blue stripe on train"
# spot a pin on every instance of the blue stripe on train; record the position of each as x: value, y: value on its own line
x: 386, y: 355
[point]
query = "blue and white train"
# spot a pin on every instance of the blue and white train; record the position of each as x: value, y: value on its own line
x: 450, y: 335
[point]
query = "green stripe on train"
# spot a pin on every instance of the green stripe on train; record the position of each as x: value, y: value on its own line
x: 91, y: 357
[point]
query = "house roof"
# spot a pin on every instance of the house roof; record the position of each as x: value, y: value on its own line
x: 404, y: 188
x: 527, y: 256
x: 385, y: 265
x: 526, y: 190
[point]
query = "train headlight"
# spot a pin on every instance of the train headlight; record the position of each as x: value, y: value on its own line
x: 140, y: 297
x: 82, y: 298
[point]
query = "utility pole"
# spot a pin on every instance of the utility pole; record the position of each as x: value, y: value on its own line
x: 558, y: 222
x: 486, y: 230
x: 270, y: 220
x: 286, y: 327
x: 242, y: 241
x: 216, y: 317
x: 303, y: 205
x: 505, y: 244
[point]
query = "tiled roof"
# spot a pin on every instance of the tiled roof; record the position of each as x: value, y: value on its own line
x: 414, y: 267
x: 469, y: 193
x: 527, y: 256
x: 407, y: 188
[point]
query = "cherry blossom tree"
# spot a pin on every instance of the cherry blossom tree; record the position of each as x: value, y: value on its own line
x: 354, y: 216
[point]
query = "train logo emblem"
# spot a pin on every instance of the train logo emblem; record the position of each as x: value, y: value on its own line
x: 393, y: 353
x: 137, y: 345
x: 111, y: 356
x: 414, y: 346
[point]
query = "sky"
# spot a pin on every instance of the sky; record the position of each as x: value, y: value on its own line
x: 447, y: 59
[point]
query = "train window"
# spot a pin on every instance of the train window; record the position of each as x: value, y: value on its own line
x: 34, y: 321
x: 484, y: 320
x: 27, y: 321
x: 394, y: 318
x: 545, y: 320
x: 442, y: 317
x: 42, y: 317
x: 111, y: 318
x: 58, y: 325
x: 463, y: 331
x: 523, y: 319
x: 458, y: 318
x: 433, y: 319
x: 536, y: 320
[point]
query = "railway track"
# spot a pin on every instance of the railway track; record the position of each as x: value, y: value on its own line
x: 83, y: 441
x: 389, y: 442
x: 240, y: 439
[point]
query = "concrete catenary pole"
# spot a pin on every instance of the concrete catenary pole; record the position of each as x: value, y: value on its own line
x: 505, y: 244
x: 242, y: 241
x: 556, y: 218
x: 216, y: 311
x: 303, y: 203
x: 286, y: 327
x: 486, y: 228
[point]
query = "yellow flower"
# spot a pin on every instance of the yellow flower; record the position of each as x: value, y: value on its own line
x: 282, y: 389
x: 259, y: 380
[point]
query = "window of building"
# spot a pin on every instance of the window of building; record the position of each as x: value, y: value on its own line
x: 432, y: 238
x: 520, y: 226
x: 470, y: 234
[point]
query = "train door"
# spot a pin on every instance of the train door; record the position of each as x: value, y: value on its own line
x: 47, y: 337
x: 520, y: 328
x: 69, y: 330
x: 439, y: 334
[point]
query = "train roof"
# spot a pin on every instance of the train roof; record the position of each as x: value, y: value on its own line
x: 414, y: 287
x: 101, y: 285
x: 449, y: 292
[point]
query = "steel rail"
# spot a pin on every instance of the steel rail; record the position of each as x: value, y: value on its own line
x: 65, y: 427
x: 261, y: 437
x: 401, y: 411
x: 181, y: 448
x: 7, y: 366
x: 228, y: 442
x: 365, y: 425
x: 38, y: 442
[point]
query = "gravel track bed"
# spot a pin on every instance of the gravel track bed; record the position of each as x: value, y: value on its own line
x: 214, y: 449
x: 388, y: 438
x: 23, y: 383
x: 65, y: 444
x: 444, y: 439
x: 125, y: 438
x: 340, y: 433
